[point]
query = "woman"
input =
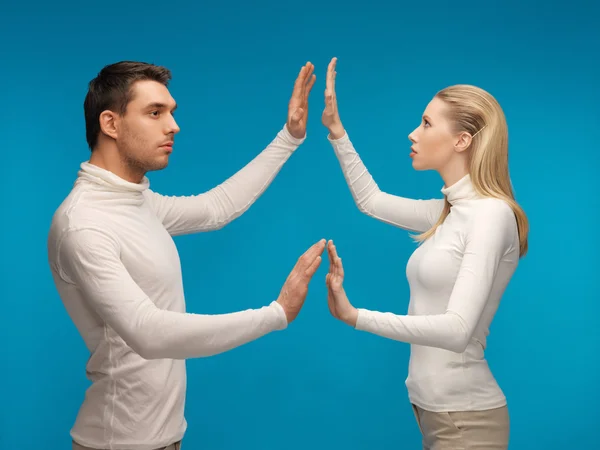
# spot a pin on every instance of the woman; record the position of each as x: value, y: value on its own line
x: 470, y: 244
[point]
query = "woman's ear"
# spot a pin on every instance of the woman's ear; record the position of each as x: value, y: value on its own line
x: 463, y: 142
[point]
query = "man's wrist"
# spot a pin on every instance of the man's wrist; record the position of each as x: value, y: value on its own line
x: 293, y: 139
x: 281, y: 313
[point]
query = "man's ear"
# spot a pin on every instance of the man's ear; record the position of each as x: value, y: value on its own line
x: 463, y: 142
x: 109, y: 122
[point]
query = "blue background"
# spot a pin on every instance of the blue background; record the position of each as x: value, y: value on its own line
x: 319, y: 384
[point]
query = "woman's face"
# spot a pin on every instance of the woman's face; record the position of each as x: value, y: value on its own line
x: 433, y: 140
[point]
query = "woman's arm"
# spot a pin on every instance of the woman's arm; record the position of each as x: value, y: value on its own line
x: 406, y: 213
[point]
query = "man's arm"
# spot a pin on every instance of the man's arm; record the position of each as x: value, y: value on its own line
x: 89, y: 259
x: 219, y: 206
x: 226, y: 202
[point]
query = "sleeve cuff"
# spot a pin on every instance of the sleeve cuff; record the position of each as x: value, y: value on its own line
x: 343, y: 139
x: 286, y: 135
x: 362, y: 320
x: 280, y: 317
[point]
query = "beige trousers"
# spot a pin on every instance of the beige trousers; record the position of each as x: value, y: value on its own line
x: 464, y: 430
x: 175, y: 446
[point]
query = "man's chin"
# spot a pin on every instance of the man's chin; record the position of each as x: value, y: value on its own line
x: 160, y: 164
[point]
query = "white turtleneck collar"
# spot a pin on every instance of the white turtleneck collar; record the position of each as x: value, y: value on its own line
x: 461, y: 190
x: 109, y: 181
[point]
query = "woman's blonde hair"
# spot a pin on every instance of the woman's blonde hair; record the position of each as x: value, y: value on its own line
x: 477, y: 112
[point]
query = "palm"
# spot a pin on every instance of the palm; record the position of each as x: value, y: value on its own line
x: 298, y: 104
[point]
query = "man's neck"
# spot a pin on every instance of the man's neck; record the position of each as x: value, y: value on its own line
x: 108, y: 158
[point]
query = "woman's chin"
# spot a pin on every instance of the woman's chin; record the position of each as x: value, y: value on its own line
x: 418, y: 166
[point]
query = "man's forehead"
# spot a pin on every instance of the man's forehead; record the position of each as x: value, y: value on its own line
x: 148, y: 92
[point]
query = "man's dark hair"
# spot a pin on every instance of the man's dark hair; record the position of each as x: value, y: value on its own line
x: 111, y: 89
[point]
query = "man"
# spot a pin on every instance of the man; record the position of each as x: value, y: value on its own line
x: 117, y: 270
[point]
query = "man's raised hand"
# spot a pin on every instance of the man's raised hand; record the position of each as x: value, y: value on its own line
x: 298, y: 105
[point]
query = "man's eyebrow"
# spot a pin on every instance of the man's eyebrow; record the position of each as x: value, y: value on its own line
x: 159, y: 105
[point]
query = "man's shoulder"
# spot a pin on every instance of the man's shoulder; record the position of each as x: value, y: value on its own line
x: 77, y: 211
x: 73, y: 209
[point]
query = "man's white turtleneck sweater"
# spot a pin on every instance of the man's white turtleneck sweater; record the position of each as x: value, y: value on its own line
x: 456, y: 280
x: 118, y: 274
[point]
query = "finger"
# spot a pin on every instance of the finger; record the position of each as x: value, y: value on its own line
x: 340, y: 267
x: 336, y: 260
x: 310, y: 85
x: 333, y: 81
x: 310, y: 68
x: 306, y: 78
x: 336, y: 267
x: 331, y: 258
x: 334, y: 250
x: 333, y: 74
x: 311, y: 254
x: 315, y: 249
x: 329, y: 78
x: 330, y: 254
x: 299, y: 84
x: 310, y: 81
x: 313, y: 267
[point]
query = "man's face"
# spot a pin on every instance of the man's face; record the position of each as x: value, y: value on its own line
x: 147, y: 130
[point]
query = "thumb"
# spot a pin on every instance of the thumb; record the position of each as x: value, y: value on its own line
x: 297, y: 115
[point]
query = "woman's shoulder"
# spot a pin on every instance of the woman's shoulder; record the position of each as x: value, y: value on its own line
x: 491, y: 212
x: 492, y: 205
